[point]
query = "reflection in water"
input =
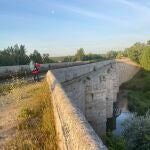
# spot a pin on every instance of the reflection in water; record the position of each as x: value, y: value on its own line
x: 119, y: 120
x: 114, y: 124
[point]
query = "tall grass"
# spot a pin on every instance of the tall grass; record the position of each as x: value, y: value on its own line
x: 36, y: 129
x: 139, y: 92
x: 113, y: 142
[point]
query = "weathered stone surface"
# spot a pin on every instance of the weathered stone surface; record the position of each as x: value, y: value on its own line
x: 73, y: 130
x: 7, y: 71
x: 90, y: 92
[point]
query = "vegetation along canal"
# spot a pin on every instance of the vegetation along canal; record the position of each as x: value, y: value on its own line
x: 133, y: 98
x: 121, y: 113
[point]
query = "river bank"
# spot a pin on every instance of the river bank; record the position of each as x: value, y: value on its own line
x: 133, y: 97
x: 138, y: 94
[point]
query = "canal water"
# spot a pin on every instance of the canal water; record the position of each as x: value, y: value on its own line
x: 114, y: 124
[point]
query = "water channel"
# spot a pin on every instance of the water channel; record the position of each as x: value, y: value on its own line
x: 114, y: 124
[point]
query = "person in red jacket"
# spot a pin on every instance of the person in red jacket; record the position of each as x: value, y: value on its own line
x: 36, y: 71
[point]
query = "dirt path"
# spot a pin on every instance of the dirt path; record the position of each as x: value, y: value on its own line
x: 8, y: 118
x: 10, y: 106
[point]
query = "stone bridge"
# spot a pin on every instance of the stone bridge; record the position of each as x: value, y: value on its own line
x: 83, y: 99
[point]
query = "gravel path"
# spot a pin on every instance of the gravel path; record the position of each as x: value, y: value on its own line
x: 8, y: 118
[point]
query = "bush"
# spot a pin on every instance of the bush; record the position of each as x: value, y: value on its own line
x: 113, y: 142
x: 137, y: 132
x: 145, y: 59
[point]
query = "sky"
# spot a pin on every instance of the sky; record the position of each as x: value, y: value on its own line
x: 60, y: 27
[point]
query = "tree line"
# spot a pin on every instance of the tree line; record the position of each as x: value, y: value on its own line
x: 17, y: 55
x: 80, y: 55
x: 138, y: 52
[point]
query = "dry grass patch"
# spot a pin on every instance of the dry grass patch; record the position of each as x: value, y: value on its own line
x: 36, y: 129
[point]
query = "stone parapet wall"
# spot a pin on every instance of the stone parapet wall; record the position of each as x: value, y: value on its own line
x: 125, y: 70
x: 66, y: 74
x: 73, y: 130
x: 7, y: 71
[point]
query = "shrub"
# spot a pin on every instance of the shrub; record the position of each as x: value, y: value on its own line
x: 145, y: 58
x: 136, y: 132
x: 113, y: 142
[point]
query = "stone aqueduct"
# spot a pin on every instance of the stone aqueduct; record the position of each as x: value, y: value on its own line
x: 83, y: 98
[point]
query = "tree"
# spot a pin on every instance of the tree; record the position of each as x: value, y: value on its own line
x: 20, y: 55
x: 36, y: 57
x: 135, y: 51
x: 91, y: 56
x: 23, y: 58
x: 119, y: 54
x: 15, y: 54
x: 111, y: 54
x: 68, y: 59
x: 80, y: 55
x: 145, y: 58
x: 46, y: 58
x: 137, y: 132
x: 148, y: 42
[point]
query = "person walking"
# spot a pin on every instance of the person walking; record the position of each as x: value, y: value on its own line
x: 36, y: 71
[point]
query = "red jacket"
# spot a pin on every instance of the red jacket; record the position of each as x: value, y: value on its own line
x: 36, y: 69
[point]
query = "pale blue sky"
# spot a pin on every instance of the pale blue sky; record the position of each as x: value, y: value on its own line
x: 59, y: 27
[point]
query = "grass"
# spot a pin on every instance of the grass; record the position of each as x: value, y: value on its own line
x: 113, y: 142
x: 138, y: 92
x: 14, y: 83
x: 36, y: 129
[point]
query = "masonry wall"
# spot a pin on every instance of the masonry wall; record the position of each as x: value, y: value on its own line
x: 71, y: 73
x: 91, y: 90
x: 74, y: 132
x: 125, y: 70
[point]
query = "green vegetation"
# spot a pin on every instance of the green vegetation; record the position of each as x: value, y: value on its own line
x: 114, y: 142
x: 139, y: 86
x: 135, y: 136
x: 36, y: 129
x: 112, y: 54
x: 81, y: 56
x: 137, y: 132
x: 139, y: 92
x: 140, y: 53
x: 135, y: 51
x: 17, y: 55
x: 145, y: 58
